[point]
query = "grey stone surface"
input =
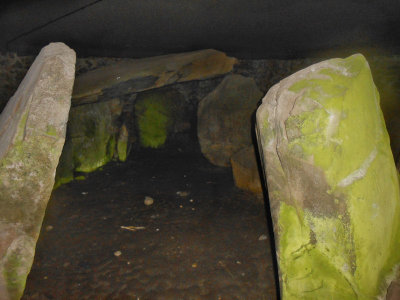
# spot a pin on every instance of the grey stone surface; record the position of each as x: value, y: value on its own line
x: 225, y: 118
x: 32, y: 134
x: 138, y: 75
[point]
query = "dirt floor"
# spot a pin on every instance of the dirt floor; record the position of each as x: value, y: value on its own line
x: 202, y: 238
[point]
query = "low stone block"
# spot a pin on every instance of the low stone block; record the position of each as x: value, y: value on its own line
x: 32, y: 134
x: 332, y: 183
x: 245, y: 170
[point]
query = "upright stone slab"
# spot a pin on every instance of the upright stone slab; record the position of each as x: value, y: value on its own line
x: 224, y: 118
x: 32, y: 133
x: 332, y: 183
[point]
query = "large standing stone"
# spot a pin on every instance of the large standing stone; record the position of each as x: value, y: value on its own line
x: 332, y: 183
x: 224, y: 118
x: 32, y: 133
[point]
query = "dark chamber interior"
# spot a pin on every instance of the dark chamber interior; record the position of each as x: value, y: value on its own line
x: 209, y: 244
x: 202, y: 238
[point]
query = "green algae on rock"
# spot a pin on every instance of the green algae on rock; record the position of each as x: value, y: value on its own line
x: 156, y: 113
x: 91, y: 138
x: 32, y: 134
x: 332, y: 183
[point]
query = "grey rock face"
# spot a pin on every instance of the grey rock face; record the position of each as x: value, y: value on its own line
x: 224, y: 118
x: 148, y: 73
x: 32, y: 134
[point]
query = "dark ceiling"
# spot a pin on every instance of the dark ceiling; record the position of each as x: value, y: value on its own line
x: 243, y: 28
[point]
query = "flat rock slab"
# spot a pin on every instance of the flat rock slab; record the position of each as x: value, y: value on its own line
x: 149, y: 73
x: 32, y: 134
x: 332, y: 183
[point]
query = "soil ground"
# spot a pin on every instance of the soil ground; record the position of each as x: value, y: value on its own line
x: 202, y: 238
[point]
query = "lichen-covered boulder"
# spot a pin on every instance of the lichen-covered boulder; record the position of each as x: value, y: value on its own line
x: 93, y: 138
x: 224, y: 118
x: 158, y: 115
x: 32, y: 134
x: 332, y: 183
x: 245, y: 170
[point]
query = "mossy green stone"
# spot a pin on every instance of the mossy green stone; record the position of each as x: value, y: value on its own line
x: 332, y: 182
x: 92, y: 134
x: 91, y: 139
x: 156, y: 112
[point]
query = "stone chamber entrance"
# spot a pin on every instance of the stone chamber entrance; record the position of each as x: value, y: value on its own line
x: 149, y: 200
x: 202, y: 238
x: 130, y: 166
x: 158, y: 192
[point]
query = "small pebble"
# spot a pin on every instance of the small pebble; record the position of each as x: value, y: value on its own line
x: 84, y: 193
x: 262, y: 237
x: 48, y: 228
x: 182, y: 193
x: 191, y: 200
x: 45, y: 277
x: 194, y: 265
x: 148, y: 201
x: 117, y: 253
x: 181, y: 206
x: 157, y: 229
x: 238, y: 262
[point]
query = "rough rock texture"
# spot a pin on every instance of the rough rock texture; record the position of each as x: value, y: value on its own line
x: 158, y: 114
x: 245, y: 170
x: 32, y: 134
x: 153, y: 72
x: 332, y: 183
x: 92, y: 139
x: 225, y: 118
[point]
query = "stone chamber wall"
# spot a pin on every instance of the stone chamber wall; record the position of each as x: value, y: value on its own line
x: 119, y: 125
